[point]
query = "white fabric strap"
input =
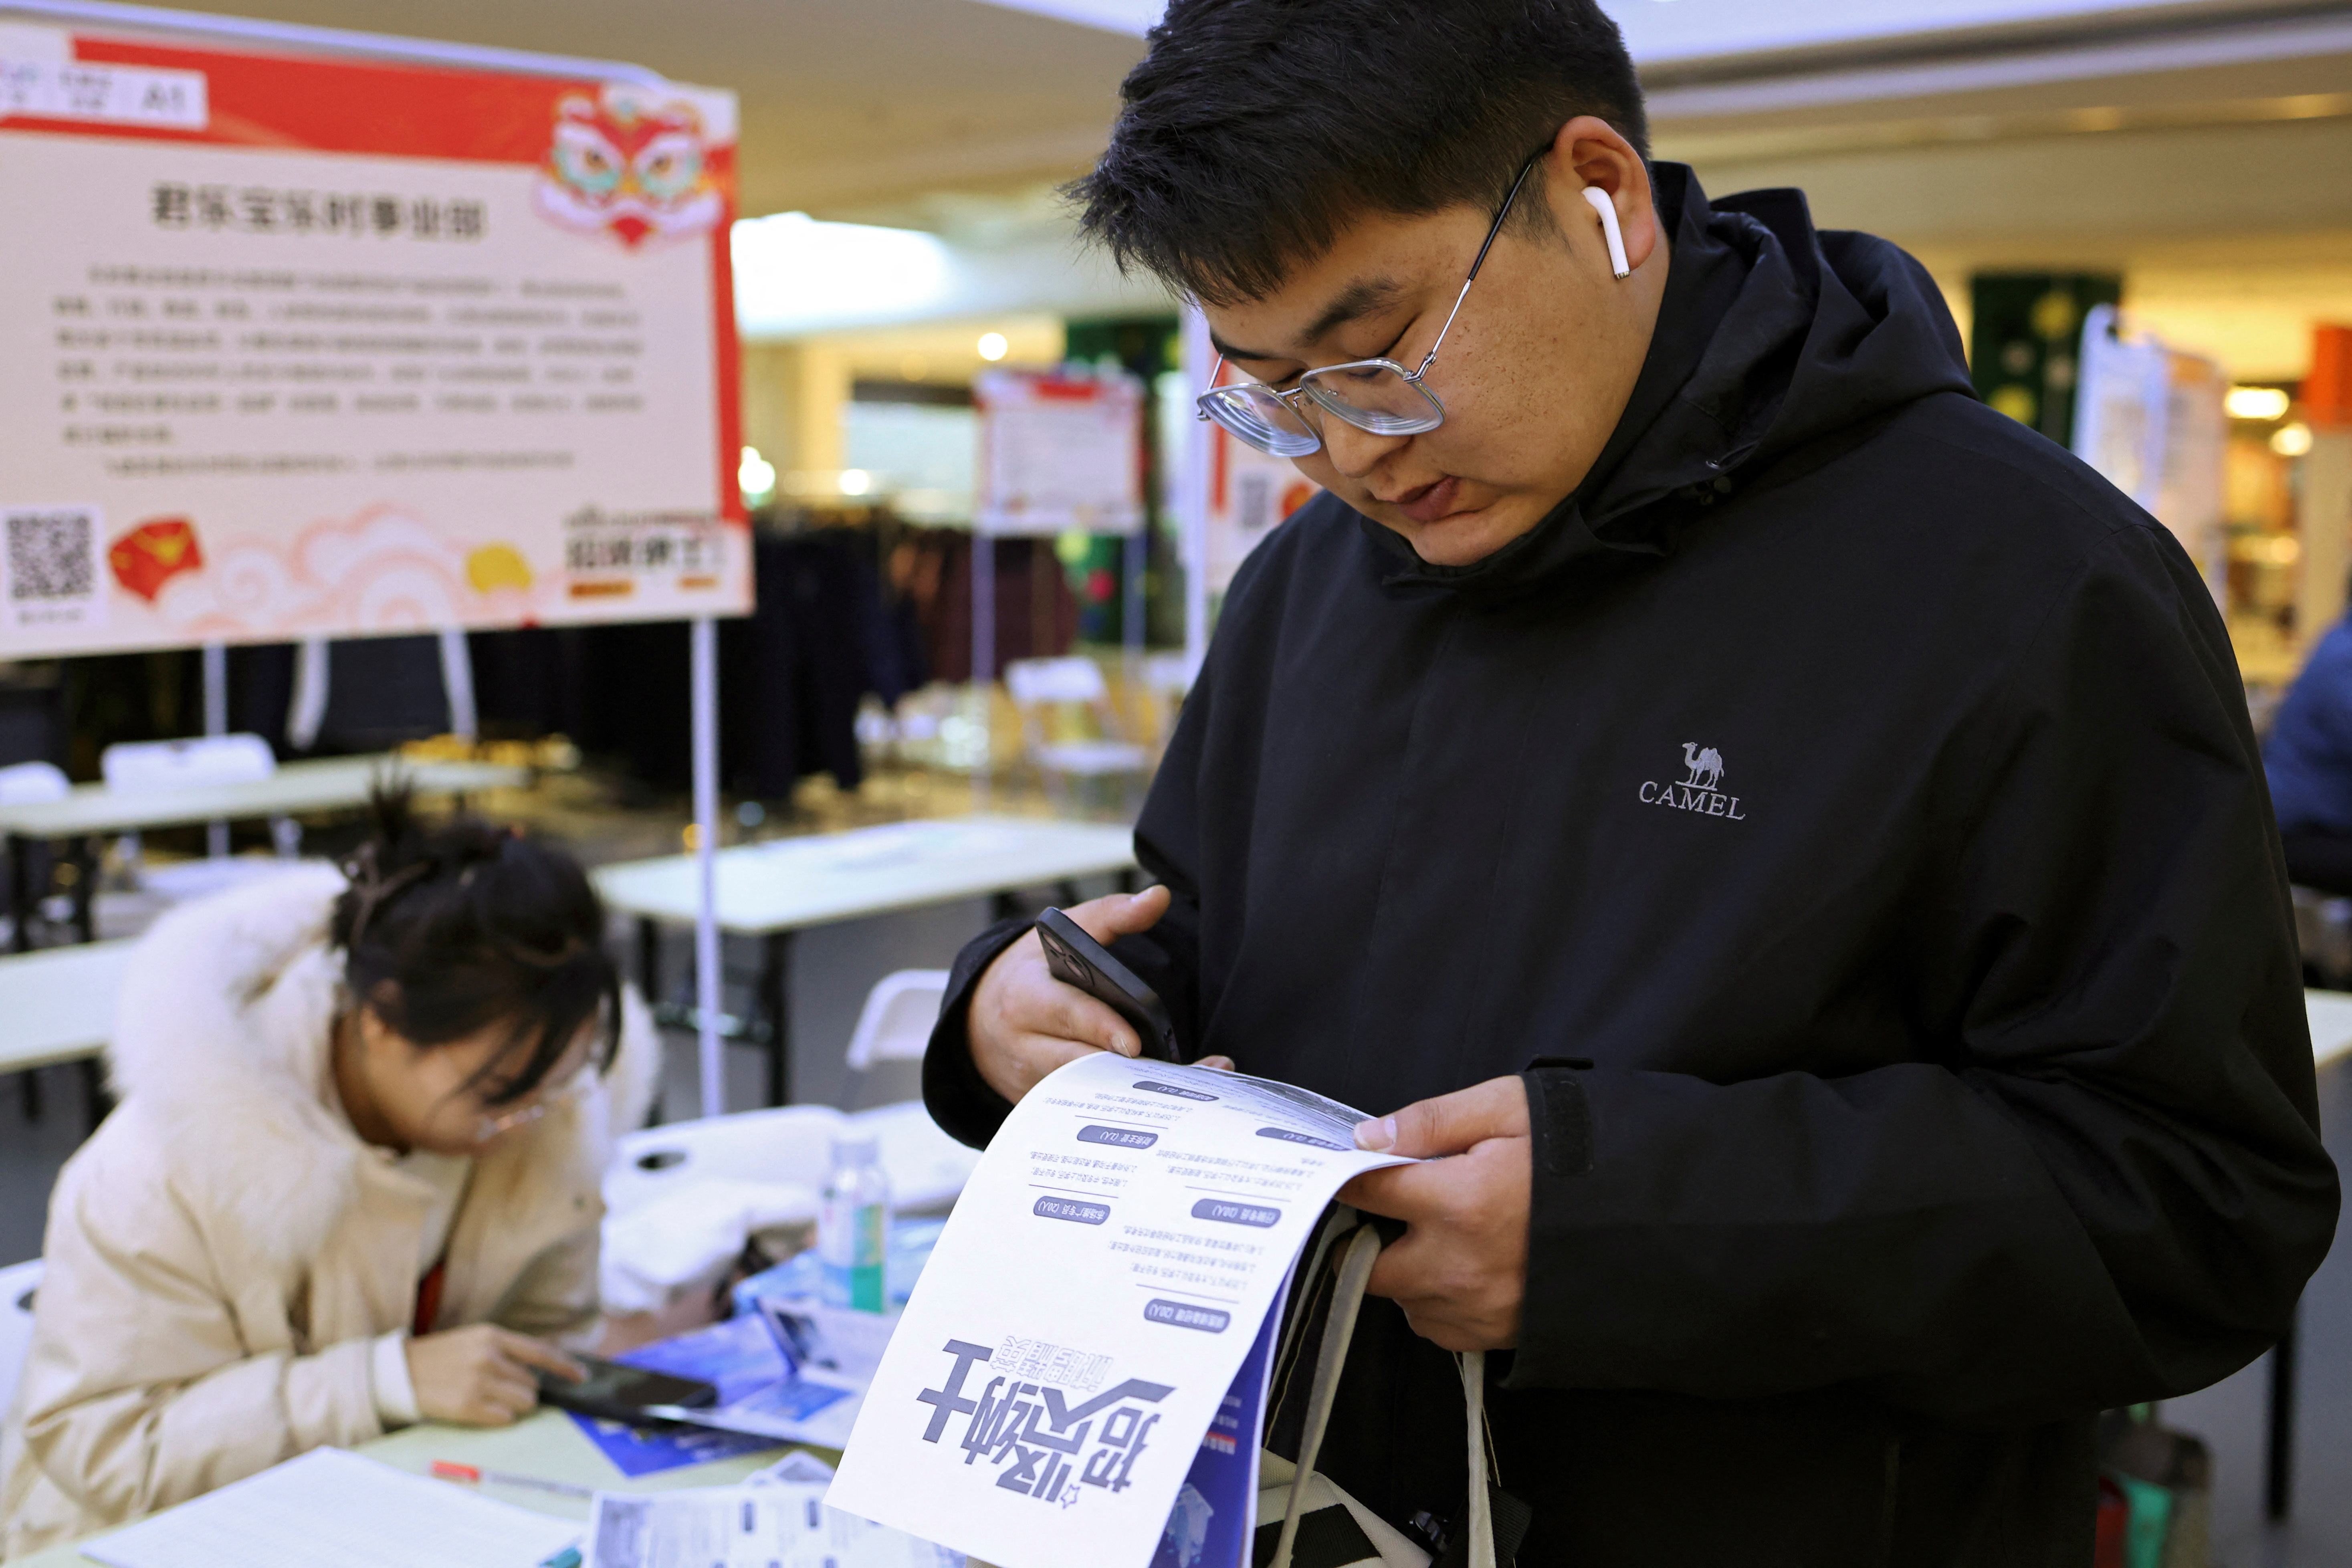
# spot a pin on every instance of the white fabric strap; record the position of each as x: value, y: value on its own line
x: 1355, y: 1268
x: 1482, y: 1503
x: 1363, y: 1248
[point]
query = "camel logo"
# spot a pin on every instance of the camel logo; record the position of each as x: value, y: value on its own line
x: 1700, y: 789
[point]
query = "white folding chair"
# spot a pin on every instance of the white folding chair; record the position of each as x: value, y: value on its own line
x: 1039, y: 686
x: 895, y: 1025
x: 926, y: 1168
x: 792, y: 1143
x: 16, y: 1285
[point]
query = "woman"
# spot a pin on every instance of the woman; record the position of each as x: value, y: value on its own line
x: 353, y: 1182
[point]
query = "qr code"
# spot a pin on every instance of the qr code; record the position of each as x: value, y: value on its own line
x: 52, y: 555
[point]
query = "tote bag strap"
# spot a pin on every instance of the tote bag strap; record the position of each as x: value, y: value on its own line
x: 1361, y: 1250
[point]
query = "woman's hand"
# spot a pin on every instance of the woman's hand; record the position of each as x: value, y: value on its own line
x: 480, y: 1375
x: 1024, y: 1023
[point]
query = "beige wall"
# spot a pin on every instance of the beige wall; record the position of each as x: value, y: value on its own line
x: 793, y: 392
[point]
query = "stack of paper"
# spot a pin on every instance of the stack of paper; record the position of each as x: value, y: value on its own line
x: 1079, y: 1379
x: 330, y: 1509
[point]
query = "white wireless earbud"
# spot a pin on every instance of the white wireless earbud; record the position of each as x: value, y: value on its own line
x: 1615, y: 236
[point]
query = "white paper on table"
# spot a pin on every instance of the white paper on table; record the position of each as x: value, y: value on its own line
x: 770, y: 1523
x: 1087, y: 1307
x: 329, y: 1508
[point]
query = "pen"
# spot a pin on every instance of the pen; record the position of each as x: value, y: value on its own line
x: 450, y: 1471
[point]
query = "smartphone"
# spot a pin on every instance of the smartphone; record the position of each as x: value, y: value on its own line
x: 1077, y: 959
x: 617, y: 1392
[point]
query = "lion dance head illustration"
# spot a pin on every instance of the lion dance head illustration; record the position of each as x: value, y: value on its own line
x: 629, y: 164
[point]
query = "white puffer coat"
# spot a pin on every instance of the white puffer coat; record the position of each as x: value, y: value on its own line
x: 222, y: 1252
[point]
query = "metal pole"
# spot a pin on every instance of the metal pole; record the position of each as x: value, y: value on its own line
x: 983, y: 659
x: 711, y: 1048
x: 1192, y: 498
x: 216, y: 656
x: 2278, y: 1457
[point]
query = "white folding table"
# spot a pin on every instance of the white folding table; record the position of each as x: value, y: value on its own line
x: 89, y: 811
x: 771, y: 891
x: 57, y: 1005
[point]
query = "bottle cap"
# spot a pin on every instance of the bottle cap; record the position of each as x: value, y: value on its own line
x: 857, y: 1150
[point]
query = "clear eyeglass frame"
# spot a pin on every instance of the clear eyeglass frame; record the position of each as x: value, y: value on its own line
x: 1377, y: 395
x: 489, y: 1124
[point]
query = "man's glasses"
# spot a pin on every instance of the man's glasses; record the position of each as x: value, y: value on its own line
x: 1375, y: 394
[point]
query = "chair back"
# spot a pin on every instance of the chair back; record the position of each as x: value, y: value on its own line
x: 16, y: 1286
x: 790, y: 1143
x: 180, y: 764
x: 895, y: 1026
x: 31, y: 783
x: 1034, y: 681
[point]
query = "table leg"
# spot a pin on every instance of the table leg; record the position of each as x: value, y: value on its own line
x: 95, y: 1100
x: 649, y: 960
x: 1127, y: 880
x: 20, y: 892
x: 28, y: 1085
x: 776, y: 1006
x: 1067, y: 890
x: 1005, y: 907
x: 2278, y: 1465
x: 85, y: 894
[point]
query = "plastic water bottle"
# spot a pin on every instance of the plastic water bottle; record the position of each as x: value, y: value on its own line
x: 853, y: 1231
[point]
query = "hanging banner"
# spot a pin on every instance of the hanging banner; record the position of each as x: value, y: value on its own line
x: 1059, y: 451
x: 307, y: 346
x: 2151, y: 420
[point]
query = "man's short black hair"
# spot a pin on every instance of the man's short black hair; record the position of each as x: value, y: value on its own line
x: 1255, y: 130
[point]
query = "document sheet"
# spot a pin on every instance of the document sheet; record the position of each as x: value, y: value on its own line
x: 329, y: 1508
x: 771, y: 1524
x: 1086, y: 1312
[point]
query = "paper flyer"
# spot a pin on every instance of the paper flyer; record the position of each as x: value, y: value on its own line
x: 1089, y: 1307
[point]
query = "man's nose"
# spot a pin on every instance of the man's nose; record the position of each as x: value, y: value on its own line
x: 1356, y: 453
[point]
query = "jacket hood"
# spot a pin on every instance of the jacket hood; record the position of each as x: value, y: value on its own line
x: 1772, y: 333
x: 221, y: 1039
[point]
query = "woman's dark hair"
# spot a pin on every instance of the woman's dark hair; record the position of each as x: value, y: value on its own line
x: 455, y: 927
x: 1254, y: 131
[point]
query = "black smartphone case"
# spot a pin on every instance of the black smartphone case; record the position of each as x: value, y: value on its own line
x: 592, y: 1399
x: 1077, y: 959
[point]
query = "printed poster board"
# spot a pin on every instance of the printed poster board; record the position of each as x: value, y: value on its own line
x: 1250, y: 494
x: 299, y: 347
x: 2151, y: 420
x: 1059, y: 451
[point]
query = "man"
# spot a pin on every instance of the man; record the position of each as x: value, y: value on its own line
x: 1793, y: 836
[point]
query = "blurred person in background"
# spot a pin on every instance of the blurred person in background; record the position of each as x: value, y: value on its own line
x: 1792, y: 835
x: 2309, y: 759
x: 353, y: 1182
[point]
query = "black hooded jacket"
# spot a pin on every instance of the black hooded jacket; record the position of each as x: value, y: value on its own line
x: 1843, y: 809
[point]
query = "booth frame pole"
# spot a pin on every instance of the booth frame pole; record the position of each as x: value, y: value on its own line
x: 215, y: 664
x: 710, y: 1050
x: 984, y: 659
x: 1192, y: 497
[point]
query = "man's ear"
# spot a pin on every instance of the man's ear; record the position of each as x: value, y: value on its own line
x: 1588, y: 151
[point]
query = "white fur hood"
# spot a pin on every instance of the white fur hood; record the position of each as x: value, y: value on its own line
x: 222, y: 1034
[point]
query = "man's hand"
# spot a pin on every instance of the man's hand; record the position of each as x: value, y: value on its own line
x: 480, y: 1375
x: 1462, y: 1266
x: 1024, y: 1023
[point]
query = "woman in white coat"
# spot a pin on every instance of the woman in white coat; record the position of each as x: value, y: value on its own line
x: 351, y: 1182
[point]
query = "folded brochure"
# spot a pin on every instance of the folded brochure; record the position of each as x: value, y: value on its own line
x: 1051, y: 1396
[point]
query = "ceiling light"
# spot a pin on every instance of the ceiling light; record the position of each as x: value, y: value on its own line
x: 855, y: 481
x: 993, y: 346
x: 755, y: 476
x: 2291, y: 440
x: 2255, y: 402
